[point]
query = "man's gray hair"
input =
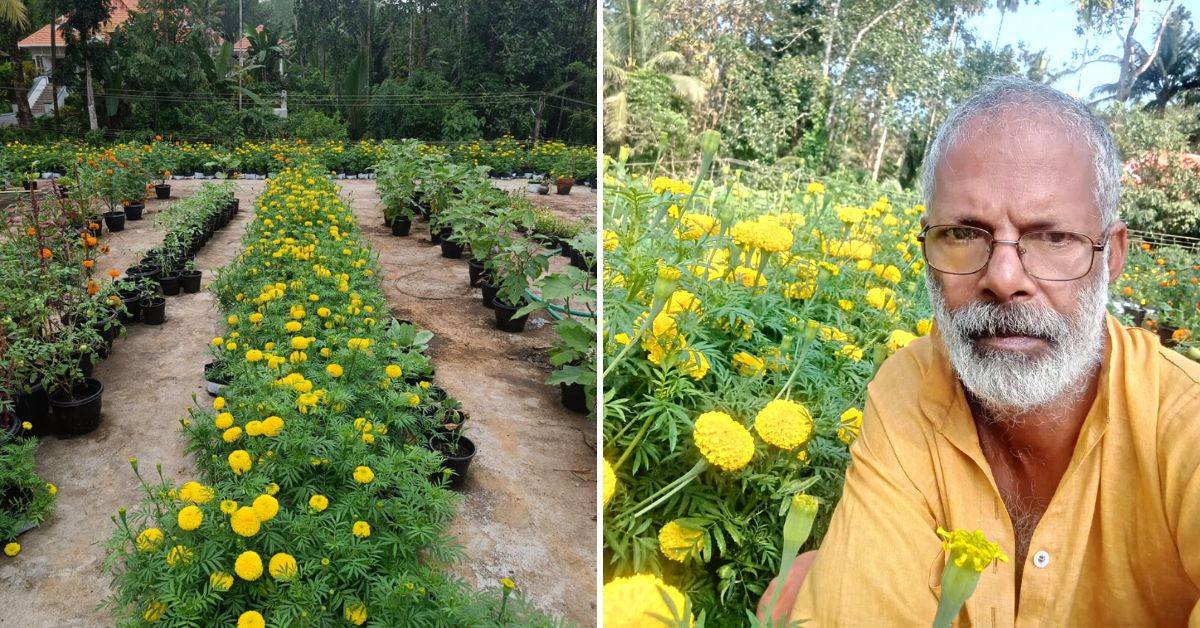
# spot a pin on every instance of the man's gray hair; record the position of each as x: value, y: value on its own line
x: 1001, y: 93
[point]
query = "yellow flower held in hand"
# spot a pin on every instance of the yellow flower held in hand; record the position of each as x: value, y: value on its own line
x: 724, y: 443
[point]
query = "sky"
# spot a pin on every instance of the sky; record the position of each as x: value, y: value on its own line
x: 1051, y: 25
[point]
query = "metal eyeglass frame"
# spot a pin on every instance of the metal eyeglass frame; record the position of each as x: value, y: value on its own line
x: 992, y: 242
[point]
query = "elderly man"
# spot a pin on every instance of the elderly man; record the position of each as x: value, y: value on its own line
x: 1029, y: 413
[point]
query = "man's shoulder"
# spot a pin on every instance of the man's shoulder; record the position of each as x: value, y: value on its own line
x: 1178, y: 378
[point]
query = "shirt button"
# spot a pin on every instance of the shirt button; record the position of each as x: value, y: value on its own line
x: 1041, y: 559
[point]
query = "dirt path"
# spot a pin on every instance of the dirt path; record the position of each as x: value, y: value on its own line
x: 530, y: 510
x: 579, y: 205
x: 149, y: 380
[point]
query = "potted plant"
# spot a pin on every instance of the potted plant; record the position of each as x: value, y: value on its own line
x: 457, y: 452
x: 189, y: 277
x: 75, y: 398
x: 513, y: 268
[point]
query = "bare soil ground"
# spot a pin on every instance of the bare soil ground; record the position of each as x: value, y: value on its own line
x: 529, y: 508
x: 580, y: 204
x: 529, y: 512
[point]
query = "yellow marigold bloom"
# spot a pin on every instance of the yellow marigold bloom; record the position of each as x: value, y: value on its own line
x: 637, y: 602
x: 220, y: 581
x: 784, y: 424
x: 195, y: 493
x: 749, y: 277
x: 179, y: 555
x: 667, y: 184
x: 851, y: 215
x: 852, y: 351
x: 696, y: 226
x: 609, y: 484
x: 323, y: 312
x: 318, y: 502
x: 899, y: 339
x: 610, y: 240
x: 882, y: 299
x: 292, y: 326
x: 362, y: 529
x: 223, y: 421
x: 888, y: 273
x: 724, y: 443
x: 695, y: 364
x: 154, y: 611
x: 251, y: 619
x: 190, y: 518
x: 924, y: 326
x: 355, y: 613
x: 254, y: 355
x: 229, y: 506
x: 363, y: 475
x: 12, y: 548
x: 334, y: 370
x: 245, y: 521
x: 282, y: 566
x: 150, y: 539
x: 746, y: 364
x: 393, y: 371
x: 414, y: 400
x: 971, y: 550
x: 679, y: 542
x: 248, y: 566
x: 266, y: 507
x: 301, y: 343
x: 254, y: 428
x: 255, y: 317
x: 815, y: 188
x: 272, y: 426
x: 850, y: 425
x: 239, y: 461
x: 231, y: 435
x: 680, y: 301
x: 219, y: 403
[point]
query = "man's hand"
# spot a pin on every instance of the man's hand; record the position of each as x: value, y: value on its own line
x: 791, y: 588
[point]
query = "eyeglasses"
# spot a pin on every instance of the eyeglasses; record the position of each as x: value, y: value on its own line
x: 1046, y: 255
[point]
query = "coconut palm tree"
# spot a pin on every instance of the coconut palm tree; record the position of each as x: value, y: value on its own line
x: 13, y: 12
x: 14, y: 21
x: 630, y: 46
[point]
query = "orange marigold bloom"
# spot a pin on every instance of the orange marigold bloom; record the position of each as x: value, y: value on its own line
x: 46, y: 253
x: 92, y: 288
x: 114, y: 273
x: 87, y: 263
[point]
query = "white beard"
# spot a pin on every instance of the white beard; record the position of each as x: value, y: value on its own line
x: 1008, y: 385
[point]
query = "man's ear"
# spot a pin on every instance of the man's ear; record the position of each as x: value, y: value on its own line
x: 1118, y: 250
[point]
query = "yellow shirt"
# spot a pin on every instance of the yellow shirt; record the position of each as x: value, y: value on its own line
x: 1119, y: 544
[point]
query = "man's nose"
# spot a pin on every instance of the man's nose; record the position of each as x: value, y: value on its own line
x: 1004, y: 276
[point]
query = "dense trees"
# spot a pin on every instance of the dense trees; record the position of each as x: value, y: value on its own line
x: 378, y: 68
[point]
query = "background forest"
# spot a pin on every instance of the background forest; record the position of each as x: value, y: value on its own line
x: 856, y: 88
x: 433, y: 70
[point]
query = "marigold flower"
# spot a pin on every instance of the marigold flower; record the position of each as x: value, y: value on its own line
x: 678, y: 542
x: 850, y: 425
x: 149, y: 539
x: 219, y: 403
x: 970, y: 549
x: 265, y: 506
x: 195, y: 493
x: 272, y: 426
x: 154, y: 611
x: 609, y: 484
x: 637, y: 602
x: 231, y: 435
x: 245, y: 521
x: 282, y: 566
x: 362, y: 529
x: 363, y: 475
x: 254, y: 428
x: 334, y: 370
x: 223, y: 421
x: 220, y: 581
x: 12, y: 549
x: 239, y: 461
x: 190, y: 518
x: 292, y: 326
x: 248, y: 566
x: 393, y: 371
x: 724, y: 443
x: 179, y: 555
x: 784, y: 424
x: 899, y: 339
x: 747, y: 365
x: 251, y: 619
x: 254, y: 355
x: 318, y: 502
x: 355, y: 613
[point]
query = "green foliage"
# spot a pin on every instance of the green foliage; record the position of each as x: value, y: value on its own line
x: 658, y: 120
x: 26, y: 498
x: 313, y: 124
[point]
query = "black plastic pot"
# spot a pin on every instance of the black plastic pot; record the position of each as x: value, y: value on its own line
x: 133, y: 309
x: 133, y: 211
x: 401, y: 226
x: 505, y: 321
x: 87, y: 364
x: 78, y: 412
x: 10, y: 427
x: 154, y: 310
x: 29, y: 185
x: 1165, y: 333
x: 1139, y: 316
x: 115, y: 221
x: 451, y: 250
x: 162, y: 192
x: 563, y: 186
x: 475, y: 271
x: 435, y: 237
x: 189, y: 280
x: 457, y: 461
x: 489, y: 293
x: 34, y: 406
x: 574, y: 397
x: 215, y: 381
x: 169, y: 282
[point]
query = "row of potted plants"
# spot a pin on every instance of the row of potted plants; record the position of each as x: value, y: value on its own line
x: 320, y: 498
x: 508, y: 258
